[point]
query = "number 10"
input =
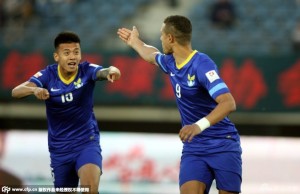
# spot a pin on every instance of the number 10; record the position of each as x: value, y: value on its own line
x: 67, y: 97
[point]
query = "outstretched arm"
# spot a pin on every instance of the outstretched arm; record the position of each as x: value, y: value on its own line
x: 29, y: 88
x: 131, y: 38
x: 111, y: 74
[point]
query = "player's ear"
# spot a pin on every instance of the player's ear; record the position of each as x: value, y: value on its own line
x: 55, y: 56
x: 171, y: 38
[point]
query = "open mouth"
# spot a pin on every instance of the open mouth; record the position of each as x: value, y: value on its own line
x: 72, y: 64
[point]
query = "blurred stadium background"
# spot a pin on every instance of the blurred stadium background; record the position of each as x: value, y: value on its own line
x: 137, y: 115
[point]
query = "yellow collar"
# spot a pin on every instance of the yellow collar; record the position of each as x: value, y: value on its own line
x: 66, y: 81
x: 179, y: 66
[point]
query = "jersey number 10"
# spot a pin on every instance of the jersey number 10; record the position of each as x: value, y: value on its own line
x: 67, y: 97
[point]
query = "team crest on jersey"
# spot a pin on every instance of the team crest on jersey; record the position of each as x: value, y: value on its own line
x: 78, y: 83
x: 191, y: 80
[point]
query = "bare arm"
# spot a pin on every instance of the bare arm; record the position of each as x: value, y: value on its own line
x: 131, y: 38
x: 111, y: 74
x: 30, y: 88
x: 226, y: 105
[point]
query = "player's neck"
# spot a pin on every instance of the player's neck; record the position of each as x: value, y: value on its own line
x: 182, y: 53
x: 65, y: 74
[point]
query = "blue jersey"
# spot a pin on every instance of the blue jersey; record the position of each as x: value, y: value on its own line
x: 196, y: 84
x: 71, y: 120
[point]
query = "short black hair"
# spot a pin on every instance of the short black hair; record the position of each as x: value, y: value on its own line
x: 66, y: 37
x: 180, y: 27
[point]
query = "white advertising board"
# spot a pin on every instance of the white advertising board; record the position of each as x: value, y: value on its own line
x: 140, y: 163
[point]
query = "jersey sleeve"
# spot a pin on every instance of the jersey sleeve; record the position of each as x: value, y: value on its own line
x: 91, y: 69
x: 161, y: 60
x: 41, y: 78
x: 209, y: 78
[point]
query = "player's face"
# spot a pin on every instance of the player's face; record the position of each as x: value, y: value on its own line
x: 68, y: 56
x: 165, y: 41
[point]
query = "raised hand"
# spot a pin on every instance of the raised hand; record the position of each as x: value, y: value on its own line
x: 128, y: 36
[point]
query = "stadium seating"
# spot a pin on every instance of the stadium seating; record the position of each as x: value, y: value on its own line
x: 263, y: 27
x: 94, y: 20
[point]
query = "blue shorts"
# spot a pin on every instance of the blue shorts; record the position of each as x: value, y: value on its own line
x: 224, y: 167
x: 64, y: 167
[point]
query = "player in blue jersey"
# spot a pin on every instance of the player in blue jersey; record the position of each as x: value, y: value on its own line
x: 211, y: 143
x: 67, y: 88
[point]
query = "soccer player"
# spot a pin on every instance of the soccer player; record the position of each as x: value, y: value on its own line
x: 67, y: 88
x: 211, y: 143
